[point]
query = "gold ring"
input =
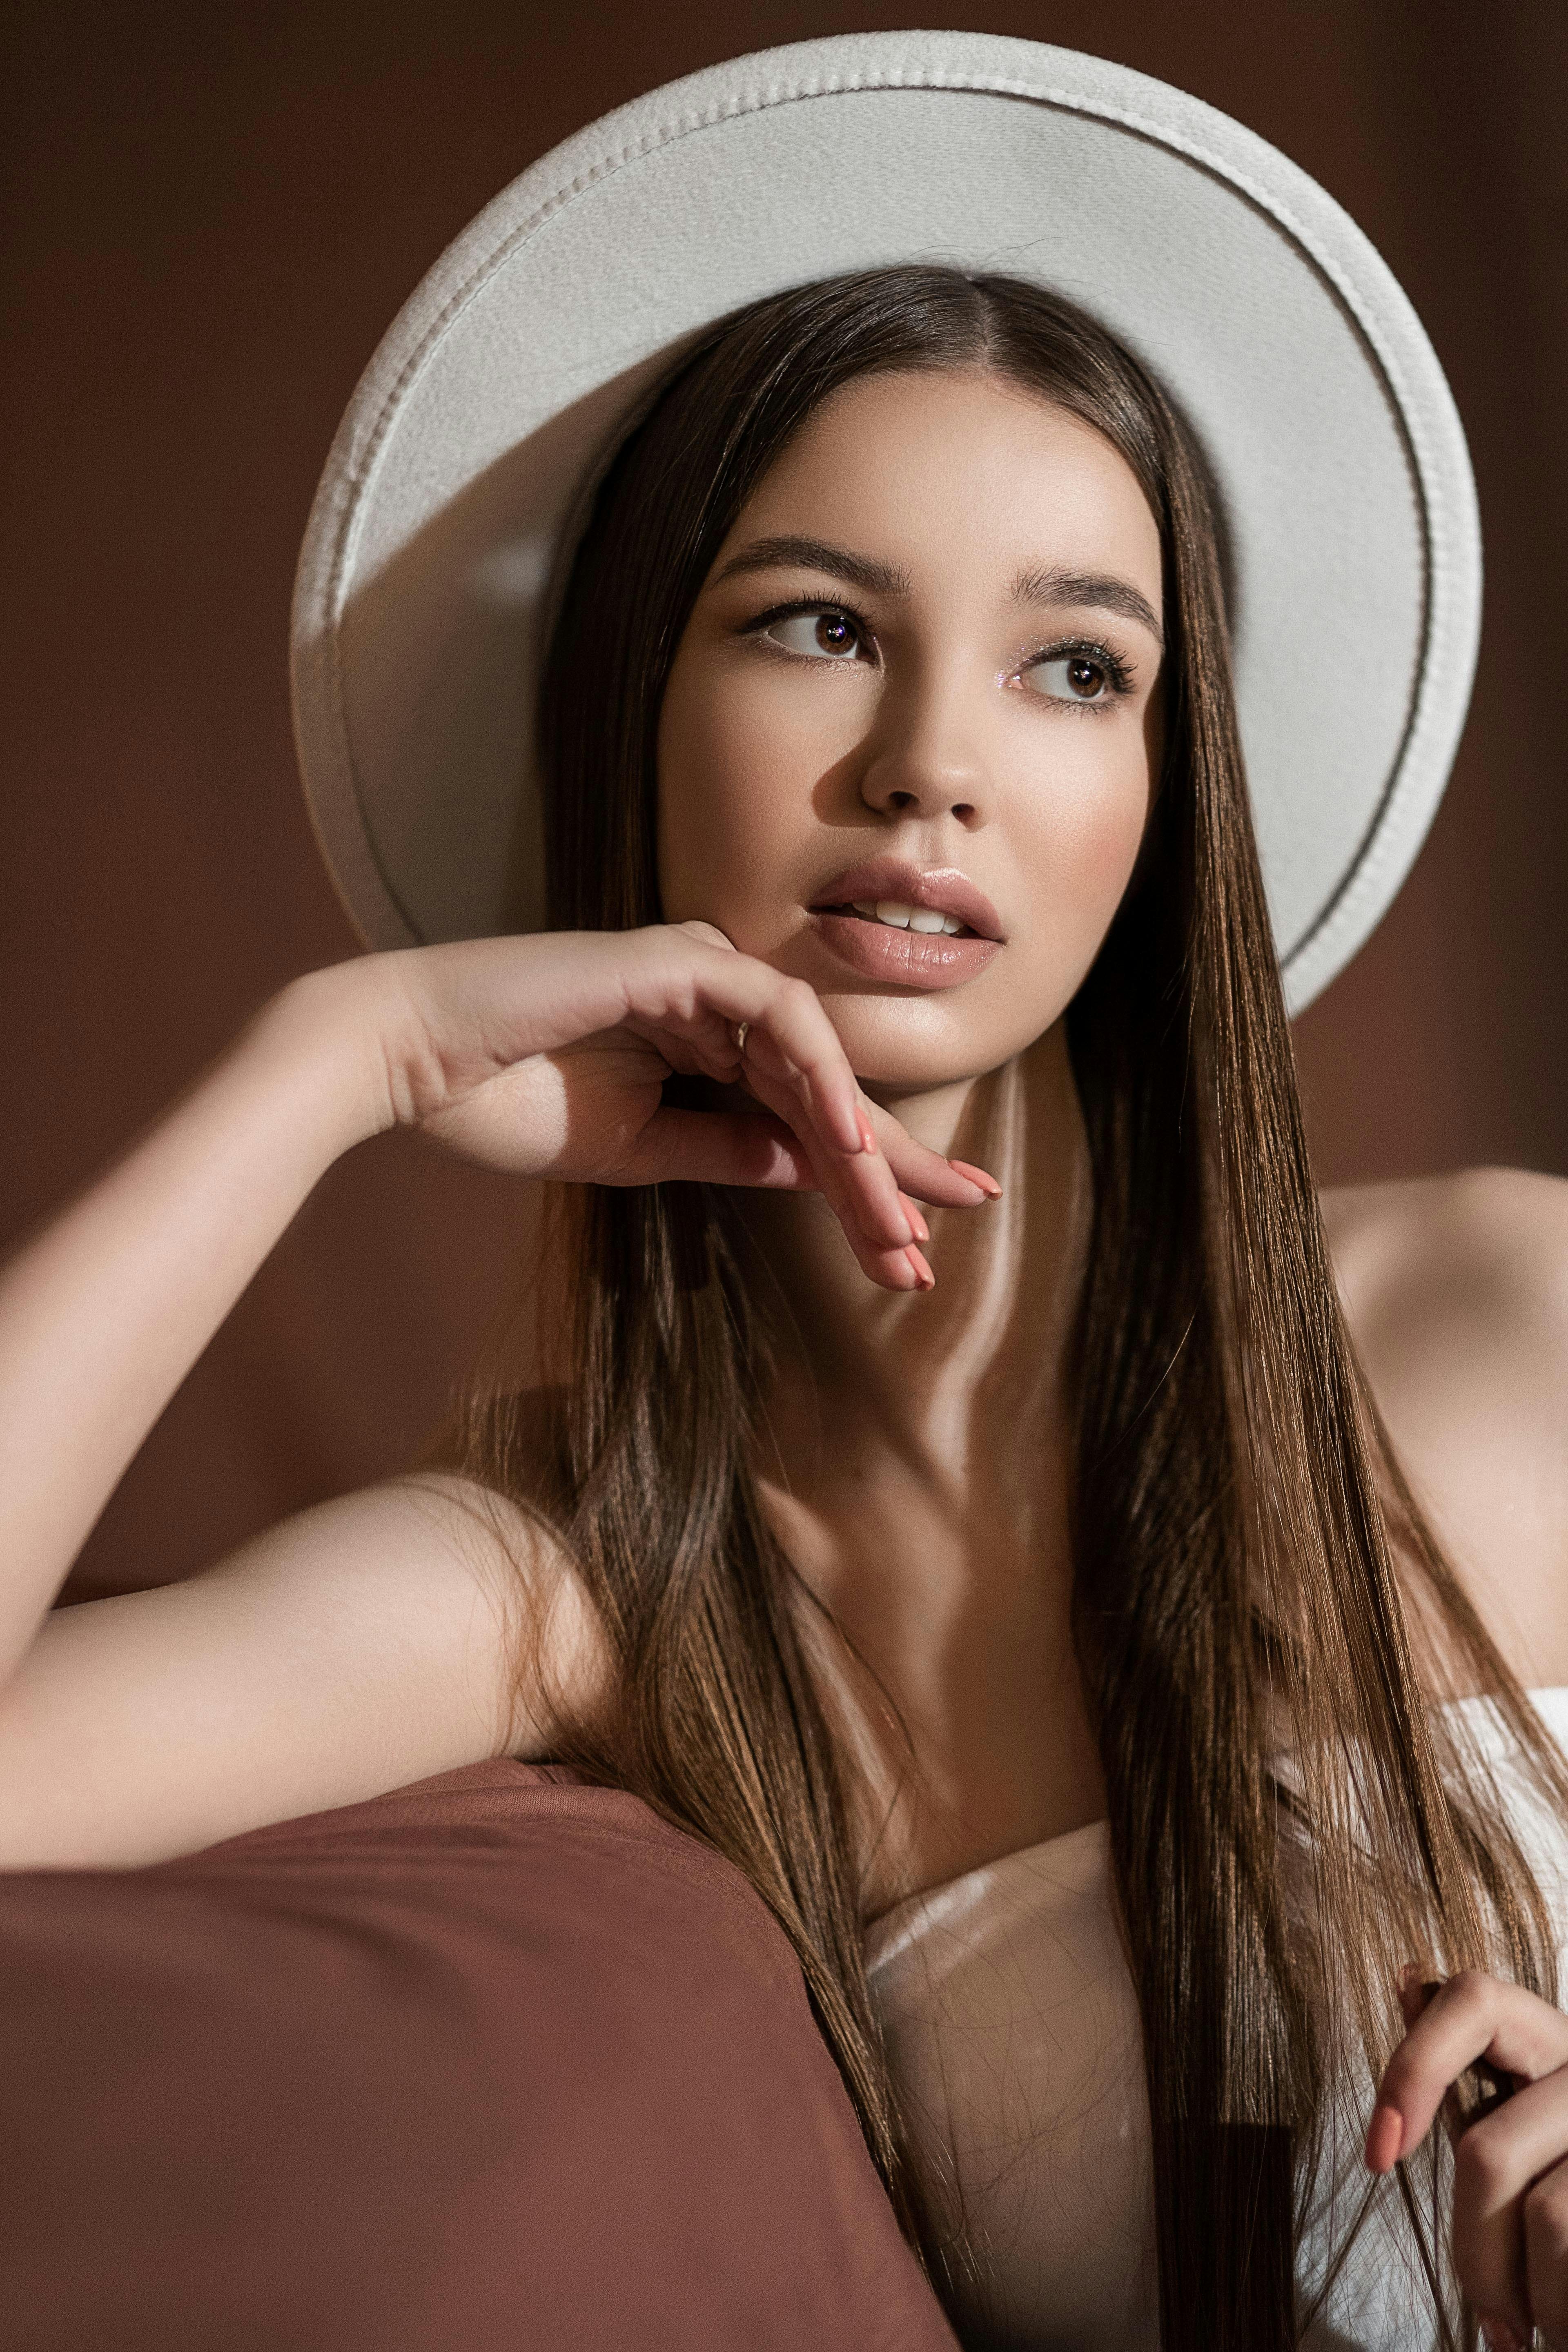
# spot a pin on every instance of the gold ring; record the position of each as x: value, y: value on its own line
x: 741, y: 1037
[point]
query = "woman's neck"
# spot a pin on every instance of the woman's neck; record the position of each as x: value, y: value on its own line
x: 943, y: 1382
x: 914, y: 1459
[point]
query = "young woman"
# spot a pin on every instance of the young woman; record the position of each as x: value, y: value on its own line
x: 958, y: 1436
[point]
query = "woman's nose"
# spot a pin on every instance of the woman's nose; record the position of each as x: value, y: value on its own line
x: 926, y: 763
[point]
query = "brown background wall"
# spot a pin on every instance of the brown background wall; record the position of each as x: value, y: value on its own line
x: 213, y: 212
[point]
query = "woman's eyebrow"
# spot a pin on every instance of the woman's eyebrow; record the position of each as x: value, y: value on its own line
x: 815, y: 555
x: 1052, y: 585
x: 1057, y: 585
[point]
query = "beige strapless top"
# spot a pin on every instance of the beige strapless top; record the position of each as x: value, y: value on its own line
x: 1013, y: 2029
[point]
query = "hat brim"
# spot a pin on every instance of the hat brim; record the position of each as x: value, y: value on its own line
x: 1326, y: 421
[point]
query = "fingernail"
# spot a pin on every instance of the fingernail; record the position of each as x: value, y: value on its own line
x: 1384, y: 2137
x: 917, y: 1224
x: 867, y: 1140
x: 988, y: 1184
x: 926, y: 1278
x: 1498, y: 2335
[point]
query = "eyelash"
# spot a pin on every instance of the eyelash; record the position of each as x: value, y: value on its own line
x: 808, y: 605
x: 1118, y: 673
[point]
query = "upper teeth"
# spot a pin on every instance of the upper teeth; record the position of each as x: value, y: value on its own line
x: 906, y: 918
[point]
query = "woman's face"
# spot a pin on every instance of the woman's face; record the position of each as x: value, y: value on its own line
x: 909, y: 741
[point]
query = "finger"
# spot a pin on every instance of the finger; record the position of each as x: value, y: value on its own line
x: 756, y: 1149
x: 1496, y: 2165
x: 666, y: 982
x: 907, y: 1270
x: 801, y: 1050
x: 795, y: 1062
x: 941, y: 1183
x: 945, y: 1183
x: 911, y: 1170
x: 981, y: 1176
x: 1546, y: 2257
x: 879, y: 1222
x: 752, y: 1149
x: 917, y: 1224
x: 1473, y: 2016
x: 789, y: 1038
x: 861, y: 1186
x: 703, y: 1147
x: 709, y: 933
x: 896, y: 1267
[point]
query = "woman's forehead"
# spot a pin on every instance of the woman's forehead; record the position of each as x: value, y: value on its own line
x: 958, y: 470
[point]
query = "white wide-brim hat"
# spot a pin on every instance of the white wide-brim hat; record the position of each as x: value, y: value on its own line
x: 1348, y: 502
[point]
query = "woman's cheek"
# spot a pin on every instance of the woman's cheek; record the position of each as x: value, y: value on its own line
x: 715, y: 790
x: 1088, y: 855
x: 738, y: 775
x: 1115, y: 838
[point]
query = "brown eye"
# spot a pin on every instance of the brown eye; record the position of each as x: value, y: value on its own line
x: 833, y: 634
x: 1071, y: 678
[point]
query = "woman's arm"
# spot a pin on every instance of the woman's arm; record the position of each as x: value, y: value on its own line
x: 1455, y: 1291
x: 359, y: 1644
x: 364, y: 1644
x: 105, y: 1311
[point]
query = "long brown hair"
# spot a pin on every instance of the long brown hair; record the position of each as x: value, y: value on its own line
x: 1291, y: 1814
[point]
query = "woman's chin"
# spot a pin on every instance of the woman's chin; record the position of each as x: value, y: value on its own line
x: 898, y: 1050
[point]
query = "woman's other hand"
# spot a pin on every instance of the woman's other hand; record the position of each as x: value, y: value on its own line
x: 1511, y: 2166
x: 547, y: 1056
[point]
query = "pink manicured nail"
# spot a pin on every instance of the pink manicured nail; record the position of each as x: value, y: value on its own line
x: 926, y: 1278
x: 988, y: 1184
x: 1384, y: 2135
x: 867, y: 1138
x: 917, y: 1224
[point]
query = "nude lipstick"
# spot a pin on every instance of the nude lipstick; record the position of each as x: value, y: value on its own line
x: 907, y: 926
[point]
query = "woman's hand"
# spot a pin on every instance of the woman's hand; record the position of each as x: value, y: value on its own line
x: 547, y: 1056
x: 1510, y: 2166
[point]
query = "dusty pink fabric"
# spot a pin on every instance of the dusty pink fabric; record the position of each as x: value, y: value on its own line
x: 496, y: 2061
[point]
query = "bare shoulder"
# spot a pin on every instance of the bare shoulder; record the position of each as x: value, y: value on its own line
x: 1455, y: 1291
x: 1489, y: 1242
x: 361, y: 1644
x: 521, y: 1566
